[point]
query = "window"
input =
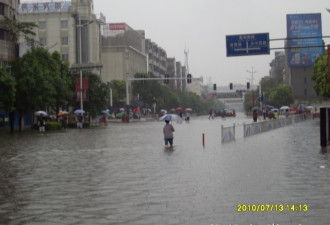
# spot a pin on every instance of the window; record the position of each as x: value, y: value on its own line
x: 42, y: 25
x: 2, y: 34
x: 65, y: 57
x: 43, y: 42
x: 64, y: 41
x: 30, y: 42
x: 64, y: 24
x: 2, y: 9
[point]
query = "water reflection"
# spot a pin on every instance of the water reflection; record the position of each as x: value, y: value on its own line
x: 123, y: 175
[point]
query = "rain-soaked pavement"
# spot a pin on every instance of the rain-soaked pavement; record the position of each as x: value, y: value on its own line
x: 123, y: 175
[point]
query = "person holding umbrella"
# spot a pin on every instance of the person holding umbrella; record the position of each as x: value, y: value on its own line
x: 41, y: 123
x: 80, y: 121
x: 168, y: 133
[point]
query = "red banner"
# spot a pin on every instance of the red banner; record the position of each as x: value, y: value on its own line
x: 85, y: 90
x: 117, y: 26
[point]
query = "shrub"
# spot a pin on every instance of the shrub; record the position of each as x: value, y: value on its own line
x: 53, y: 125
x: 72, y: 124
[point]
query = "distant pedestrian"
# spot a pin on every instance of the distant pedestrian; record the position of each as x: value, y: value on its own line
x: 168, y: 134
x: 211, y: 114
x: 65, y: 122
x: 264, y: 113
x: 80, y: 121
x: 187, y: 116
x: 286, y: 113
x: 41, y: 124
x: 255, y: 115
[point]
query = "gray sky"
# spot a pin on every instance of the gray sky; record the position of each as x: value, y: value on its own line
x: 201, y: 27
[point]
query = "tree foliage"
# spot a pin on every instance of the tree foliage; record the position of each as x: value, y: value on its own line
x: 282, y: 95
x: 7, y: 90
x: 15, y: 28
x: 153, y: 91
x: 118, y: 90
x: 320, y: 76
x: 62, y: 80
x: 268, y: 84
x: 35, y: 73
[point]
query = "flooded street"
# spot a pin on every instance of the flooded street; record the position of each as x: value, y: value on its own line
x: 122, y: 174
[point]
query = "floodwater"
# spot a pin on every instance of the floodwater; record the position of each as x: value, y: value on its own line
x: 122, y: 174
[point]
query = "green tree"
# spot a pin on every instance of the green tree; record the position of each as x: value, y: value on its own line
x: 268, y: 84
x: 118, y: 91
x: 153, y: 91
x: 15, y: 28
x: 251, y: 100
x: 62, y: 80
x: 34, y: 74
x: 7, y: 90
x: 320, y: 76
x: 282, y: 95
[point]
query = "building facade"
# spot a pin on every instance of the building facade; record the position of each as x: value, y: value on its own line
x: 157, y: 58
x: 171, y: 71
x: 277, y: 67
x: 8, y: 8
x: 69, y: 27
x: 122, y: 52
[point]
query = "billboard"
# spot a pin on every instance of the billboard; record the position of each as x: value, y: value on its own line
x: 117, y: 26
x: 302, y: 50
x: 85, y: 89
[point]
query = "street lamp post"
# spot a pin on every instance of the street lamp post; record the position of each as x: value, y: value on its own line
x: 110, y: 86
x: 80, y: 60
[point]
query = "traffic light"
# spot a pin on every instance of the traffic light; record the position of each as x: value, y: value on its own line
x: 231, y: 86
x: 215, y: 87
x: 189, y: 78
x: 248, y: 85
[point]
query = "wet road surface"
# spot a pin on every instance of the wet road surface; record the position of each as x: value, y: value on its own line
x: 122, y: 174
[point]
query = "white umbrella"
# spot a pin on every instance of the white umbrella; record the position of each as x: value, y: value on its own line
x: 79, y: 111
x: 38, y: 113
x: 284, y: 107
x: 171, y: 117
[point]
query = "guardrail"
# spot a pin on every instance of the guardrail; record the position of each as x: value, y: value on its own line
x: 228, y: 133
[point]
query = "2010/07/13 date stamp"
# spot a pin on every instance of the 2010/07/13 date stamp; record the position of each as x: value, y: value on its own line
x: 272, y: 208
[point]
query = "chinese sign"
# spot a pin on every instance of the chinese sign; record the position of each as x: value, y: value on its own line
x: 303, y: 50
x: 85, y: 90
x: 247, y: 44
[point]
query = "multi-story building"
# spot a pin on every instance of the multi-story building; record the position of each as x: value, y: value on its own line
x: 171, y: 71
x: 179, y: 76
x: 277, y: 66
x: 122, y: 52
x: 8, y: 8
x: 69, y: 27
x: 184, y: 76
x: 157, y: 58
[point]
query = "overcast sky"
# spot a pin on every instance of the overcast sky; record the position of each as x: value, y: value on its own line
x: 202, y: 25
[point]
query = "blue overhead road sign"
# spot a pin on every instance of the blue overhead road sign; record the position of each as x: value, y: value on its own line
x: 247, y: 44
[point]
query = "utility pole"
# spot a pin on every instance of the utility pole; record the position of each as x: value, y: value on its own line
x: 252, y: 73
